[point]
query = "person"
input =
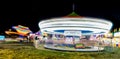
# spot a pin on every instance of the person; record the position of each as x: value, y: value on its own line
x: 44, y: 39
x: 28, y: 38
x: 36, y: 38
x: 36, y: 42
x: 21, y: 41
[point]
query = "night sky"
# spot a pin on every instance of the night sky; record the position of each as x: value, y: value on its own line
x: 30, y: 13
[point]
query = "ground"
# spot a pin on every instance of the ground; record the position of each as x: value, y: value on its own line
x: 16, y: 50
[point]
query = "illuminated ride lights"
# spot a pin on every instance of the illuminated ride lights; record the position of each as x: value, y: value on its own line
x: 83, y: 24
x: 75, y: 30
x: 20, y: 30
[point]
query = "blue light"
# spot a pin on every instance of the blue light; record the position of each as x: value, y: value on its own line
x: 83, y: 31
x: 2, y: 37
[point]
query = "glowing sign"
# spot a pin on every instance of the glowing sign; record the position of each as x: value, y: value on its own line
x: 73, y: 33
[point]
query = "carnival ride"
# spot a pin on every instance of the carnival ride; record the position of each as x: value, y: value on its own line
x: 20, y: 30
x: 116, y: 39
x: 73, y: 28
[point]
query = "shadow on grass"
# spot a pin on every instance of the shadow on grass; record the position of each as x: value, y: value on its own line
x: 16, y: 45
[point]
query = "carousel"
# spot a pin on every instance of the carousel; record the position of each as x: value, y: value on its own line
x: 74, y: 32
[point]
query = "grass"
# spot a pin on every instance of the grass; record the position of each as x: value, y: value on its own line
x: 16, y: 50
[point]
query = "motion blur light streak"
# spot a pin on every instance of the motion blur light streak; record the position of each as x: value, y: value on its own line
x: 89, y: 24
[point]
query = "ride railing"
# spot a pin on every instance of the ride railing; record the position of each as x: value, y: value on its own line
x: 73, y: 44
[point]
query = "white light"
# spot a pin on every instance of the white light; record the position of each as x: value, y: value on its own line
x: 70, y: 23
x: 76, y: 19
x: 69, y: 28
x: 90, y: 24
x: 73, y: 33
x: 117, y: 34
